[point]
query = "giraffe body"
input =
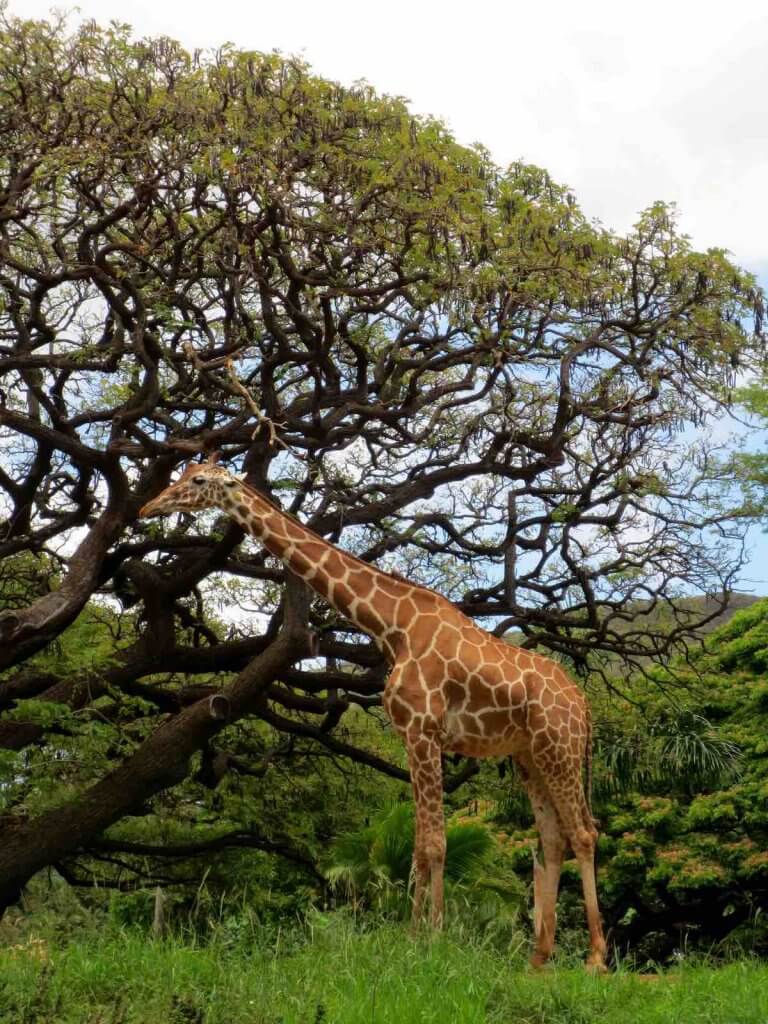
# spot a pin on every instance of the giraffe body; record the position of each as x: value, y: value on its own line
x: 453, y: 688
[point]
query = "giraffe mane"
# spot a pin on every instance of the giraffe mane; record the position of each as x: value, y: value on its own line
x: 398, y: 577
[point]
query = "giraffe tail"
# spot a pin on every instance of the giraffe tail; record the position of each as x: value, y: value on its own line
x: 588, y: 771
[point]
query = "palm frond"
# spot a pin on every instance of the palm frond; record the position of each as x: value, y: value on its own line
x: 690, y: 750
x: 468, y: 847
x: 383, y: 851
x: 680, y: 750
x: 351, y: 863
x: 392, y: 851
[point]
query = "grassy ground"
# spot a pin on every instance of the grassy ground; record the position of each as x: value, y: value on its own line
x: 337, y: 972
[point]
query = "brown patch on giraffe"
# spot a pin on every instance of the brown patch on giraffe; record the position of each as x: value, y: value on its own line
x: 456, y: 671
x: 472, y: 635
x: 429, y: 623
x: 559, y: 771
x: 470, y: 656
x: 517, y: 693
x: 553, y: 735
x: 421, y: 749
x: 454, y: 693
x: 322, y: 585
x: 557, y: 716
x: 562, y: 679
x: 277, y: 526
x: 293, y: 530
x: 413, y: 732
x: 533, y: 684
x: 300, y: 564
x: 334, y: 565
x: 276, y: 545
x: 367, y: 617
x: 478, y: 693
x: 393, y: 588
x: 492, y: 674
x: 431, y: 668
x: 494, y: 653
x: 385, y: 606
x: 446, y: 639
x: 472, y: 728
x: 414, y: 697
x: 361, y: 581
x: 524, y: 660
x: 392, y: 648
x: 436, y: 704
x: 406, y: 613
x: 314, y: 551
x: 494, y: 723
x: 342, y: 596
x: 428, y: 602
x: 399, y: 712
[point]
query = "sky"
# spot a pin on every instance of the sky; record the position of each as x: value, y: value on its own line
x: 625, y: 103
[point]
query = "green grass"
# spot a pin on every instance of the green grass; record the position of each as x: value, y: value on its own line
x: 339, y: 972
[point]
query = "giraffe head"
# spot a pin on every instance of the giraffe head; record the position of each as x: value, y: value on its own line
x: 201, y: 485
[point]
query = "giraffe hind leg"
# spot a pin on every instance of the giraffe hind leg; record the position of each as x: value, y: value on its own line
x: 546, y: 875
x: 577, y: 824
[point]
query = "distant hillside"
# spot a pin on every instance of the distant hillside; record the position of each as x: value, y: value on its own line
x: 736, y: 604
x: 697, y: 606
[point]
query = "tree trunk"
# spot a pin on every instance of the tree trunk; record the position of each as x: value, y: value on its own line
x: 158, y: 920
x: 161, y: 761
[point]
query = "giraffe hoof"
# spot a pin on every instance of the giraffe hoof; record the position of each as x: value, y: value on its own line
x: 539, y: 962
x: 596, y: 966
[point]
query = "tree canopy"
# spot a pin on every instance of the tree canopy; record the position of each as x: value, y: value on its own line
x: 441, y: 365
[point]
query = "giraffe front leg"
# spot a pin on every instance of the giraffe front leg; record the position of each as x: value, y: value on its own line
x: 429, y: 843
x: 420, y: 877
x: 436, y: 855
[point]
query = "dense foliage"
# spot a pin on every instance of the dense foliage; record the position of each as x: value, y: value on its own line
x: 440, y: 365
x: 681, y: 791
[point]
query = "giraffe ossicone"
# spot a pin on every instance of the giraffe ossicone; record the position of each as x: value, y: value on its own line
x: 453, y: 688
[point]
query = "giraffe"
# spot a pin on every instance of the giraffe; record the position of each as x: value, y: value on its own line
x: 453, y: 687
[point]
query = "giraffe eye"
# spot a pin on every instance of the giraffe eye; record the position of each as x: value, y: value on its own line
x: 198, y: 479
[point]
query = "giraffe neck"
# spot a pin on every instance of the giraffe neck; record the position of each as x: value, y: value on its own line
x: 361, y: 593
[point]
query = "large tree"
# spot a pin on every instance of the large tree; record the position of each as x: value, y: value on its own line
x: 441, y: 366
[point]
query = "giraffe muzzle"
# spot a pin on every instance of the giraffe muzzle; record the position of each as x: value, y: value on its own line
x: 152, y: 508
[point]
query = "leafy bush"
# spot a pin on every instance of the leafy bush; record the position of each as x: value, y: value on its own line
x: 684, y: 803
x: 371, y: 867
